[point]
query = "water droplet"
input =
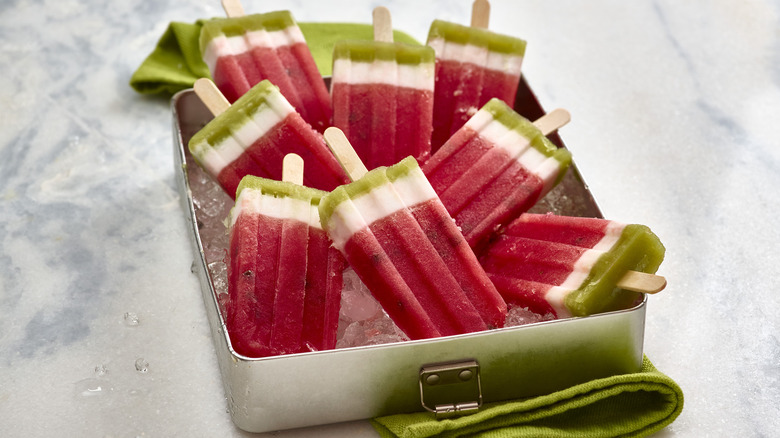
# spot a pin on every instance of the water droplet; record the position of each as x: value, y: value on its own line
x: 141, y: 365
x: 101, y: 370
x: 131, y: 319
x: 73, y: 140
x: 90, y: 387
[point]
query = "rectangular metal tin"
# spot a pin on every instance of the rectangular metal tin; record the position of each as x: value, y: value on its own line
x: 308, y: 389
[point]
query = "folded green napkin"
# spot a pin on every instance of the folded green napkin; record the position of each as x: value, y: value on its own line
x: 175, y: 63
x: 627, y: 405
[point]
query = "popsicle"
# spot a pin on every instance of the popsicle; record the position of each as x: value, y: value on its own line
x: 497, y: 166
x: 284, y: 278
x: 242, y: 50
x: 382, y: 95
x: 252, y: 136
x: 572, y: 266
x: 473, y: 65
x: 397, y: 236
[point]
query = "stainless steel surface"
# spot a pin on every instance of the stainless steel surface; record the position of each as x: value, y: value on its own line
x: 285, y: 392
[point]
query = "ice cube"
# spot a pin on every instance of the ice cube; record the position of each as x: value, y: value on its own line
x: 357, y: 303
x: 374, y: 331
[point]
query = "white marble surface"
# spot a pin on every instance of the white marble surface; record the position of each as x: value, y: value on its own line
x: 674, y: 108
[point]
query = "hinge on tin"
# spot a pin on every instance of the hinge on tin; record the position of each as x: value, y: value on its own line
x: 451, y: 389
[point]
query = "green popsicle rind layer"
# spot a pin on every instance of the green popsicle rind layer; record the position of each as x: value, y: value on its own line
x: 237, y: 26
x: 370, y: 51
x: 238, y: 114
x: 460, y: 34
x: 637, y: 249
x: 280, y: 189
x: 374, y: 178
x: 505, y: 115
x: 402, y: 169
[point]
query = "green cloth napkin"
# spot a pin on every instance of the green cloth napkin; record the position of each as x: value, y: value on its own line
x: 627, y: 405
x: 175, y: 63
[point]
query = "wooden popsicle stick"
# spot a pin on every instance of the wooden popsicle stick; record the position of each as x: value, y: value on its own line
x: 383, y: 25
x: 233, y: 8
x: 292, y: 169
x: 480, y: 14
x: 552, y: 121
x: 345, y: 154
x: 211, y: 96
x: 642, y: 282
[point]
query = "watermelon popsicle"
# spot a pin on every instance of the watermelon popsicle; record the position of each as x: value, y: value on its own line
x: 473, y: 65
x: 399, y: 239
x: 382, y: 95
x: 497, y: 166
x: 252, y: 136
x: 572, y: 266
x: 284, y: 280
x: 242, y: 50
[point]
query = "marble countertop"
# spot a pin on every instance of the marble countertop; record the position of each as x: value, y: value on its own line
x: 102, y: 328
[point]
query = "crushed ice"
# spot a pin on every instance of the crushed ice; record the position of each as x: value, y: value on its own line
x: 521, y: 316
x: 362, y: 320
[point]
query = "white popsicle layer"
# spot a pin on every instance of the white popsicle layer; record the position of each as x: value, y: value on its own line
x: 420, y: 76
x: 253, y: 201
x: 481, y: 56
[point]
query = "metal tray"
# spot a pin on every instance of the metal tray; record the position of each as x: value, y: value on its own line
x: 463, y: 372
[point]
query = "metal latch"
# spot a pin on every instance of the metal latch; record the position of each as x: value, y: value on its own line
x: 451, y: 389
